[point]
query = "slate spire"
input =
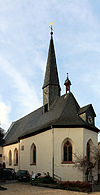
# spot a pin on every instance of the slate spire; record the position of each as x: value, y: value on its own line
x: 51, y: 74
x: 51, y: 81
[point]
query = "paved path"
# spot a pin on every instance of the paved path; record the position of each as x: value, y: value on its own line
x: 27, y: 189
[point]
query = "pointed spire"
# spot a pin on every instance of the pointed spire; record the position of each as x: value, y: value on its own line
x: 51, y: 74
x: 51, y: 86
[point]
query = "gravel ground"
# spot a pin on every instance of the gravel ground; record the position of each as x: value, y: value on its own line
x: 25, y: 189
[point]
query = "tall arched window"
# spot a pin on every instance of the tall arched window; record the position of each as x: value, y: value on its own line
x: 33, y: 155
x: 15, y: 156
x: 67, y: 152
x: 88, y: 151
x: 10, y: 158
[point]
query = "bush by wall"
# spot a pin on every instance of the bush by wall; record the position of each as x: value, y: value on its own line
x: 76, y: 186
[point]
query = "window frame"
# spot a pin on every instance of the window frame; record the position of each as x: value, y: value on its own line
x: 88, y: 151
x: 16, y: 157
x: 10, y: 157
x: 33, y: 154
x: 67, y: 146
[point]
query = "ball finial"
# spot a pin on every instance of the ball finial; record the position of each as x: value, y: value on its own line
x: 51, y: 28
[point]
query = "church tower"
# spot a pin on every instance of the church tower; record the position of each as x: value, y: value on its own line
x: 51, y: 87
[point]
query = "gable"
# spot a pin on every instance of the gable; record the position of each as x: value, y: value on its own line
x: 87, y: 108
x: 87, y: 113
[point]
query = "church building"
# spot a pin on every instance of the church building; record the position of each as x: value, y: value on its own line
x: 50, y: 138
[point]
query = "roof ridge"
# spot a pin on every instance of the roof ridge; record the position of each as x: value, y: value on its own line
x: 86, y: 106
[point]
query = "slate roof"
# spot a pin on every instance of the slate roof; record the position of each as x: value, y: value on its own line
x: 63, y: 113
x: 51, y: 74
x: 85, y: 108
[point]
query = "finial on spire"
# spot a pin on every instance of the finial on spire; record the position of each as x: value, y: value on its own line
x: 51, y: 28
x: 67, y: 75
x: 67, y: 84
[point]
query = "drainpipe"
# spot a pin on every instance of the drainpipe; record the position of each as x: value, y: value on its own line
x: 19, y: 156
x: 52, y: 152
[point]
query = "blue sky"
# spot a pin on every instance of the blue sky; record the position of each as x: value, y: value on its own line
x: 24, y: 42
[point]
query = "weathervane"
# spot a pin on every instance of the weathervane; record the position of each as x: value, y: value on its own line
x: 51, y: 28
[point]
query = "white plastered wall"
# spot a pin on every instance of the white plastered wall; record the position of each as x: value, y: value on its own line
x: 68, y: 172
x: 43, y: 143
x: 50, y: 142
x: 6, y: 150
x: 93, y: 136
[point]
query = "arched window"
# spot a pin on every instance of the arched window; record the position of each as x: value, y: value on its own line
x: 10, y: 158
x: 67, y: 152
x: 15, y: 156
x: 88, y: 151
x: 33, y: 155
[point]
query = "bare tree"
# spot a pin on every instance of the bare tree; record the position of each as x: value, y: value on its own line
x: 88, y: 165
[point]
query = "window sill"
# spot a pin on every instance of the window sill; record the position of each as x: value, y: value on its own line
x: 33, y: 164
x: 67, y: 162
x: 15, y: 164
